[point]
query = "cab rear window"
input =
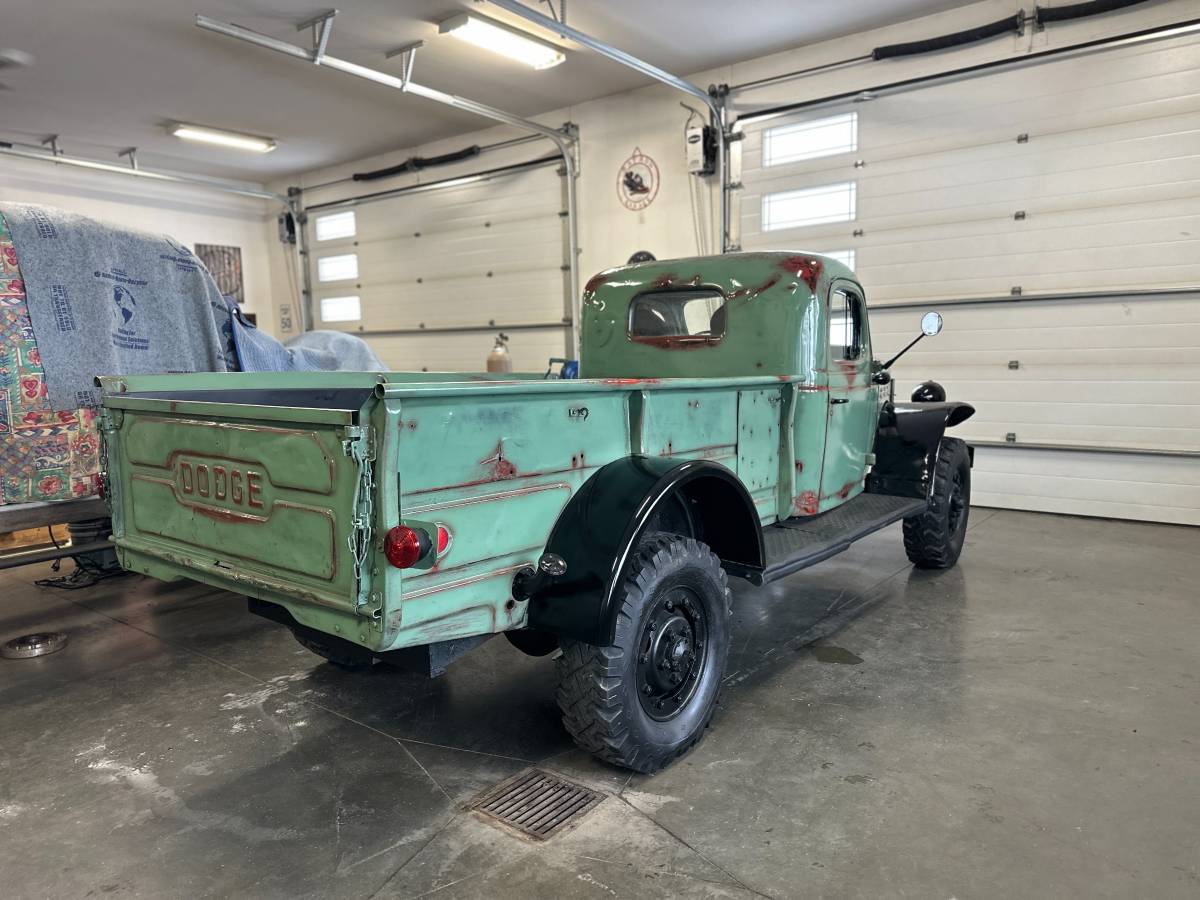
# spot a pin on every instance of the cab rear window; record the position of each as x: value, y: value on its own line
x: 677, y: 317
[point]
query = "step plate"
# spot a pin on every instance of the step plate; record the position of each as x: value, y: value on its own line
x: 795, y: 544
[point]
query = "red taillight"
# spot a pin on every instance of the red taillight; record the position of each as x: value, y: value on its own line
x: 443, y: 538
x: 404, y: 546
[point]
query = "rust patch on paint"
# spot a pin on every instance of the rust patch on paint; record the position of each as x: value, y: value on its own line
x: 623, y: 382
x: 806, y: 504
x: 849, y: 369
x: 676, y: 341
x: 594, y: 282
x: 805, y: 268
x: 499, y: 468
x: 799, y: 465
x: 752, y: 292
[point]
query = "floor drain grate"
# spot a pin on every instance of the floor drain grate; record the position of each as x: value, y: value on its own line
x: 537, y: 803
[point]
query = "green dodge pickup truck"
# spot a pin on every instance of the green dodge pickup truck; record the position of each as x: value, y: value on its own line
x: 730, y: 419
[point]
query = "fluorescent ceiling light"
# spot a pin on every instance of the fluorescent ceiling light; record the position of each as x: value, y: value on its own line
x: 500, y: 38
x: 222, y: 138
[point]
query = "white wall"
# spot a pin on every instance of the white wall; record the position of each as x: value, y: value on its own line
x: 189, y: 214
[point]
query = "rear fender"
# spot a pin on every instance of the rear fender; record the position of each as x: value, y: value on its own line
x: 906, y: 446
x: 598, y: 531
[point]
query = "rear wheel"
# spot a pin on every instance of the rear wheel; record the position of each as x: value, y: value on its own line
x: 934, y: 539
x: 338, y: 652
x: 645, y: 700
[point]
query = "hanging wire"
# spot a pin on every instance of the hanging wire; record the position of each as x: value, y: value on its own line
x: 695, y: 187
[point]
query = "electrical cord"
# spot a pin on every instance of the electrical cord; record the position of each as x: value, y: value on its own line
x: 85, y: 574
x: 695, y: 186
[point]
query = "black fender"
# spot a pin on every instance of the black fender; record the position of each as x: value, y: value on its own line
x: 906, y: 445
x: 598, y: 530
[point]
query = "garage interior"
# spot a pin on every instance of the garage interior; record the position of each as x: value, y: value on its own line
x: 1024, y: 723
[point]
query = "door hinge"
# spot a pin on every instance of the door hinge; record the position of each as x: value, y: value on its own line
x: 359, y: 445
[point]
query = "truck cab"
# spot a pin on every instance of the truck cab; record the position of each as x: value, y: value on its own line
x: 805, y: 443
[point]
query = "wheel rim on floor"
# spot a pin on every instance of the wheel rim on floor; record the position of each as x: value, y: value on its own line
x: 672, y: 653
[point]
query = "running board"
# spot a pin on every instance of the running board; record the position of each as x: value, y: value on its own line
x: 797, y: 543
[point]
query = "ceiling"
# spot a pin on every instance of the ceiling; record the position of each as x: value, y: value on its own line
x: 110, y: 76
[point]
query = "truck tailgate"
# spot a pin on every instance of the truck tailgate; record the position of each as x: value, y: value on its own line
x: 255, y: 498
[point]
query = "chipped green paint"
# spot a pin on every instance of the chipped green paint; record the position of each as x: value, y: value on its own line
x: 492, y: 459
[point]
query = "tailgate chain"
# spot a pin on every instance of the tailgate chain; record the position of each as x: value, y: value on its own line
x: 360, y: 446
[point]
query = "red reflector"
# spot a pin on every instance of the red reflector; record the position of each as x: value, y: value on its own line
x: 443, y: 538
x: 404, y: 546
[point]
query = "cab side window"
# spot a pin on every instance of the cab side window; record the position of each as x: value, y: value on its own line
x: 847, y: 337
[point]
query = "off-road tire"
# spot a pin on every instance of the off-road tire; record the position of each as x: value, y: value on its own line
x: 337, y: 652
x: 934, y: 539
x: 601, y: 689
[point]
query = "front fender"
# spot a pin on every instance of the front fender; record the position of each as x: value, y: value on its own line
x: 598, y: 531
x: 906, y: 445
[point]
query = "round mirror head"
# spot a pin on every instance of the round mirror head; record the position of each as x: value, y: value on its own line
x: 931, y: 323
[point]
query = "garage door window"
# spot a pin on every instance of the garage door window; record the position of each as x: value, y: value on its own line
x: 337, y: 268
x: 809, y: 206
x: 810, y: 140
x: 341, y: 309
x: 336, y: 226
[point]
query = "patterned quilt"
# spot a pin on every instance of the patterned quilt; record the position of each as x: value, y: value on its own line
x: 44, y: 455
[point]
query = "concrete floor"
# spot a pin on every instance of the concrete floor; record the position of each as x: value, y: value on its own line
x: 1025, y: 725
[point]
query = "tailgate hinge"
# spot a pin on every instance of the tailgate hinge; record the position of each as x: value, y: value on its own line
x: 359, y: 446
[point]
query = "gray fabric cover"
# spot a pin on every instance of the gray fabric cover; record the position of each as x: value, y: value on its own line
x: 109, y: 301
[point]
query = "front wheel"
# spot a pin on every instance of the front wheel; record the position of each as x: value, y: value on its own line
x: 644, y: 700
x: 934, y: 539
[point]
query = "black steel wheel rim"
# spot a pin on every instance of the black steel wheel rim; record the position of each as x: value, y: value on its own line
x: 673, y: 652
x: 958, y: 503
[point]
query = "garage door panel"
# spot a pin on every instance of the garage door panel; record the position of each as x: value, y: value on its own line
x: 1162, y: 277
x: 1045, y: 494
x: 1014, y: 340
x: 457, y: 259
x: 1025, y: 411
x: 1049, y: 375
x: 990, y: 428
x: 1037, y: 315
x: 1043, y: 232
x: 1115, y: 393
x: 510, y: 299
x: 1018, y: 256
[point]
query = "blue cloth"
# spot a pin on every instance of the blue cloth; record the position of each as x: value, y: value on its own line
x: 314, y: 351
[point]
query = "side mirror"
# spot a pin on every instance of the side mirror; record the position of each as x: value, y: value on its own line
x: 931, y: 324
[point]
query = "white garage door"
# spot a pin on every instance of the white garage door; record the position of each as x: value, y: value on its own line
x: 429, y: 276
x: 1078, y: 177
